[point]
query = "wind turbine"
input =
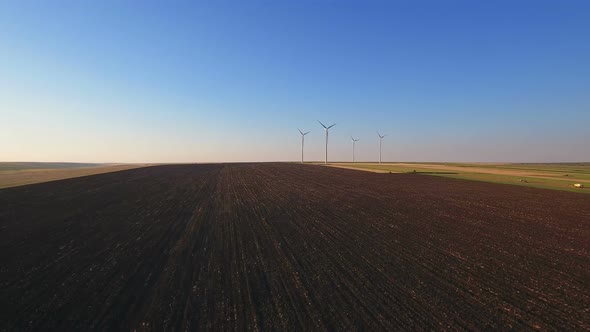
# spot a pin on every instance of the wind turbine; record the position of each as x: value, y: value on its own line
x: 326, y: 129
x: 353, y: 142
x: 302, y: 142
x: 380, y: 141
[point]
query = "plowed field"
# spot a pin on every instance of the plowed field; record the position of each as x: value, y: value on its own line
x: 290, y: 247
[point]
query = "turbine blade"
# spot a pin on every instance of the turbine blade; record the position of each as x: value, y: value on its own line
x: 300, y: 131
x: 307, y: 133
x: 331, y: 126
x: 322, y: 124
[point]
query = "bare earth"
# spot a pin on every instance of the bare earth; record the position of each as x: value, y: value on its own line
x: 265, y: 247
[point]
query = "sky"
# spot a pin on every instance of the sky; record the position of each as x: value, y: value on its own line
x: 213, y: 81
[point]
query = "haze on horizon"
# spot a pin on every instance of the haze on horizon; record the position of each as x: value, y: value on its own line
x: 211, y: 81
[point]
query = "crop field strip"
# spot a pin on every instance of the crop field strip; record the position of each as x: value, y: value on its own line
x: 286, y: 246
x: 545, y: 176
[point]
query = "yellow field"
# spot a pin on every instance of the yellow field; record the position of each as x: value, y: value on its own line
x: 20, y: 177
x: 549, y: 176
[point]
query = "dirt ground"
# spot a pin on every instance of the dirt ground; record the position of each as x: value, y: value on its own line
x: 291, y: 247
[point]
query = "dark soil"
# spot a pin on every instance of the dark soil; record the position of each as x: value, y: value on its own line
x: 291, y: 247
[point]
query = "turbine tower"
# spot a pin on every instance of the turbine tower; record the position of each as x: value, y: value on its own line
x: 353, y: 142
x: 326, y: 129
x: 302, y: 142
x: 380, y: 141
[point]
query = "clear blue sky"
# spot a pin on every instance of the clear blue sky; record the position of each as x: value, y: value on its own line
x: 179, y: 81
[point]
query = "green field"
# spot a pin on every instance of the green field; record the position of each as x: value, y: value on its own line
x: 548, y: 176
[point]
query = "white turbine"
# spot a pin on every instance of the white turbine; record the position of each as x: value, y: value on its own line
x: 353, y: 142
x: 326, y: 129
x: 302, y: 142
x: 380, y: 141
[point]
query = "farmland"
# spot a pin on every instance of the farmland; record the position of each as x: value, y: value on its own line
x: 548, y: 176
x: 17, y: 174
x: 287, y: 246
